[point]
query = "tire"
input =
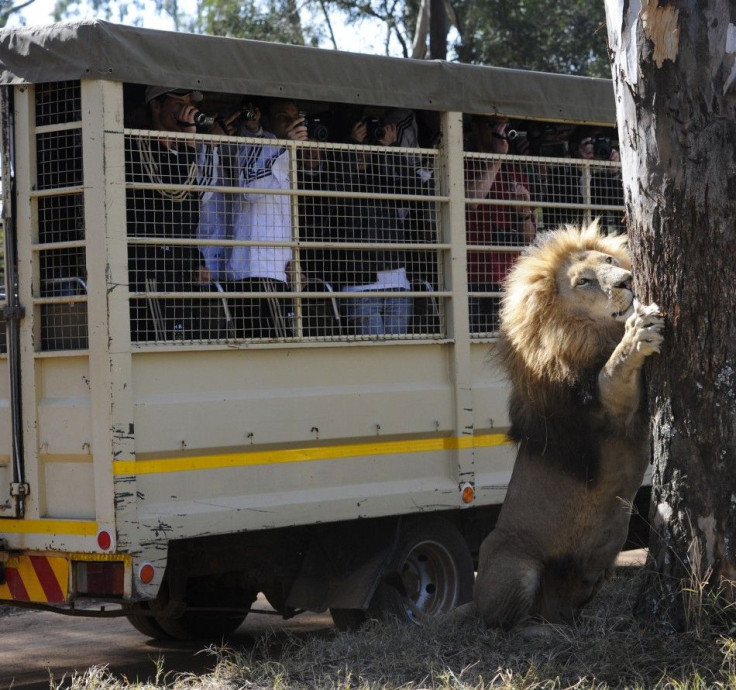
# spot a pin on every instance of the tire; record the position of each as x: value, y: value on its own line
x: 143, y: 623
x: 205, y: 625
x: 348, y: 619
x: 430, y: 573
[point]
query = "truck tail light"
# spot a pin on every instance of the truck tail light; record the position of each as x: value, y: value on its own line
x: 99, y: 578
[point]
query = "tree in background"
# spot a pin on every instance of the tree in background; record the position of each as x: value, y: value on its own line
x: 566, y: 36
x: 9, y: 8
x: 278, y: 21
x: 674, y: 70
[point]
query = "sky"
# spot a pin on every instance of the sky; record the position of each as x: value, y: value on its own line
x: 366, y: 37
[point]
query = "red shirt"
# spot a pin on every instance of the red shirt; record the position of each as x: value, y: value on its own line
x: 494, y: 225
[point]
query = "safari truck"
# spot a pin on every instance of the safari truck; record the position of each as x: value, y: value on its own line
x: 179, y: 469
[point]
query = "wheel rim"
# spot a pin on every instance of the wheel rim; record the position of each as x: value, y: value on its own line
x: 430, y: 579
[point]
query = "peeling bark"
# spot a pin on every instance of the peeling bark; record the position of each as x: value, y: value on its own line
x: 673, y: 66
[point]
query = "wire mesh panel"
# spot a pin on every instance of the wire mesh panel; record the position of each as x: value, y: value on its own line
x: 58, y: 103
x: 261, y: 239
x: 62, y: 272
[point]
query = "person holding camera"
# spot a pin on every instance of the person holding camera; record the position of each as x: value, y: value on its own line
x: 492, y: 224
x: 376, y: 220
x: 216, y: 211
x: 264, y: 218
x: 606, y: 186
x: 158, y: 212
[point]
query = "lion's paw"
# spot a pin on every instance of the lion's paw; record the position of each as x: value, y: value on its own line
x: 644, y: 329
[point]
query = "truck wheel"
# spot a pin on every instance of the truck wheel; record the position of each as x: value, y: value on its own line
x: 143, y: 623
x: 430, y: 573
x: 205, y: 625
x: 348, y: 619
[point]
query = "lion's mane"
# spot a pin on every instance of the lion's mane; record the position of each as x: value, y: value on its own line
x: 543, y: 344
x: 552, y: 354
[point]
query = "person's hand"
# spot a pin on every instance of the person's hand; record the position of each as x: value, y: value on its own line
x: 229, y: 125
x: 499, y: 138
x: 614, y: 157
x: 297, y: 130
x: 204, y: 275
x: 359, y: 132
x: 185, y: 117
x: 391, y: 133
x: 520, y: 193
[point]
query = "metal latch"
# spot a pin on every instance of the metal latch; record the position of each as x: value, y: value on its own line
x: 20, y: 490
x: 4, y: 556
x: 13, y: 313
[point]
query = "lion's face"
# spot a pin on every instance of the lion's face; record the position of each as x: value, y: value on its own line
x: 566, y: 302
x: 593, y: 284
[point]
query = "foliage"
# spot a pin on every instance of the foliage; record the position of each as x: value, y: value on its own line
x: 399, y: 18
x: 124, y: 12
x: 567, y: 36
x: 266, y: 20
x: 10, y: 7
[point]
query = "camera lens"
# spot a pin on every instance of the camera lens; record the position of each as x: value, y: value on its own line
x: 316, y: 130
x: 202, y: 120
x: 602, y: 147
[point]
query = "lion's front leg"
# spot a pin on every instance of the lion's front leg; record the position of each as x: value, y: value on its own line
x: 619, y: 381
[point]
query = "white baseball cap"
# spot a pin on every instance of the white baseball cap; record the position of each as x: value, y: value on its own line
x: 156, y: 91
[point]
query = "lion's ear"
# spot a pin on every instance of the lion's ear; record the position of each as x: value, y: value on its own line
x: 593, y: 229
x: 618, y: 246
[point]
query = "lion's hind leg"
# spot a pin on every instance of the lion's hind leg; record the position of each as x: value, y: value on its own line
x: 564, y: 589
x: 507, y: 587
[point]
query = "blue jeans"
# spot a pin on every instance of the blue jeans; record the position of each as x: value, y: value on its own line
x: 378, y: 315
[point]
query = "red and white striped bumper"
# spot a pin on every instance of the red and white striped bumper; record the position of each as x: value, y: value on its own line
x: 43, y: 579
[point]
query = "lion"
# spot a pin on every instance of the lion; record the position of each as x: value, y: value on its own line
x: 573, y: 340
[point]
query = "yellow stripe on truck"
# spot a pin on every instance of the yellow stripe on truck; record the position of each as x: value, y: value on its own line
x: 288, y: 455
x: 77, y: 528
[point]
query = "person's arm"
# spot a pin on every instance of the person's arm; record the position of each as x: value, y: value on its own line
x: 479, y: 181
x: 525, y: 214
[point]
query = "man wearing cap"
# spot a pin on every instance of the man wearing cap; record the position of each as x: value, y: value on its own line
x: 168, y: 210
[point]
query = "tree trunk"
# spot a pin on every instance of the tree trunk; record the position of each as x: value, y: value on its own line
x: 674, y: 73
x: 438, y: 29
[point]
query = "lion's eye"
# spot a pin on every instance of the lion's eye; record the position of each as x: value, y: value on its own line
x: 609, y: 259
x: 582, y: 281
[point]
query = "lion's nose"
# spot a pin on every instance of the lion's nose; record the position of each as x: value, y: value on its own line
x: 623, y: 281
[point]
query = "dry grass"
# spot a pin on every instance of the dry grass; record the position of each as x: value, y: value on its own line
x: 606, y: 650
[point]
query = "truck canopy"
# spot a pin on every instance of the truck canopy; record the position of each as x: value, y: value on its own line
x: 103, y: 51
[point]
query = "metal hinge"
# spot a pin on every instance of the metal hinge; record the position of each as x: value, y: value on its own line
x: 13, y: 313
x: 4, y: 556
x: 20, y: 490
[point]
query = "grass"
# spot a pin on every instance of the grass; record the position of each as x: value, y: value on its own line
x: 605, y: 650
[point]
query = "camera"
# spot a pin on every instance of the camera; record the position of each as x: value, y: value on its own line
x: 518, y: 141
x: 248, y: 114
x: 602, y: 147
x: 203, y: 121
x: 316, y: 129
x: 375, y: 129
